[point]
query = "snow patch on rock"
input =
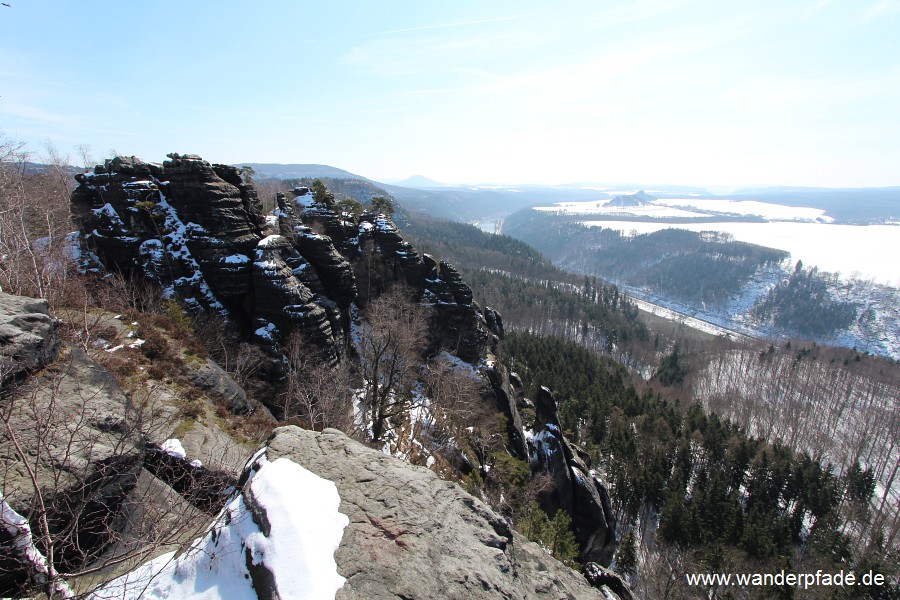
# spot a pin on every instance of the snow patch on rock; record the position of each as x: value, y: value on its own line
x: 275, y: 538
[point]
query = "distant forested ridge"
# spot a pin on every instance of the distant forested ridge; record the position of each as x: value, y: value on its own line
x: 469, y: 247
x: 531, y: 293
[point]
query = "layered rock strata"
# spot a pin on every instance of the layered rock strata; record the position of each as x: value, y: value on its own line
x: 198, y: 231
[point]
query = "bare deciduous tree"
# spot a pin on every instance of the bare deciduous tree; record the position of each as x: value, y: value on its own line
x: 34, y: 220
x: 72, y: 502
x: 455, y: 396
x: 391, y: 343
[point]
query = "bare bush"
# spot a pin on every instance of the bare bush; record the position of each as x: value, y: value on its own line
x: 34, y: 220
x: 455, y: 394
x: 316, y: 392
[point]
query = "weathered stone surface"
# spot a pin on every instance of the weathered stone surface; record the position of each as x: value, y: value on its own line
x: 283, y: 303
x: 458, y: 324
x: 499, y: 378
x: 325, y: 219
x: 180, y: 224
x: 90, y: 423
x: 412, y: 535
x: 600, y: 578
x: 397, y: 254
x: 28, y: 336
x: 213, y: 379
x: 331, y: 268
x: 77, y: 425
x: 494, y: 321
x: 577, y: 490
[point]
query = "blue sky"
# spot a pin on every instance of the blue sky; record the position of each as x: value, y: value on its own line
x: 805, y: 92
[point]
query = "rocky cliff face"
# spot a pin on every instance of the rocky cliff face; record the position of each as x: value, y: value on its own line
x: 198, y: 231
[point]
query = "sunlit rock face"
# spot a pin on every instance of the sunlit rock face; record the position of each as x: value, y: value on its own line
x: 197, y: 230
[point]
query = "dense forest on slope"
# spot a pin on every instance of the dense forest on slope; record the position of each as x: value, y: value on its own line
x: 722, y: 500
x: 706, y: 267
x: 531, y: 293
x: 468, y: 247
x: 803, y: 303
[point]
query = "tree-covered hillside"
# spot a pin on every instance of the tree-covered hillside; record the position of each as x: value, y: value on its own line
x: 804, y: 304
x: 711, y: 497
x: 531, y: 293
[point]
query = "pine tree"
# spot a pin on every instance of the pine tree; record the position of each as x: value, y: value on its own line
x: 626, y: 557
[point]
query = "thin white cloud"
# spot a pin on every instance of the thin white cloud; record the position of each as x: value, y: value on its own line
x: 32, y: 113
x: 815, y: 9
x: 880, y: 9
x: 413, y: 29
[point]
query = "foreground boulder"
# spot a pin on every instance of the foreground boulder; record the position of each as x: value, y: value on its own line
x: 413, y: 535
x: 317, y: 513
x: 76, y: 430
x: 275, y: 539
x: 28, y: 336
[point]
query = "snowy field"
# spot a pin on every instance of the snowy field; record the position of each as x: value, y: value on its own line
x: 652, y: 210
x: 766, y: 210
x: 692, y: 208
x: 867, y: 251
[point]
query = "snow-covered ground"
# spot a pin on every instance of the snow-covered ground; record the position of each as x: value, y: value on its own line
x: 876, y: 330
x: 601, y: 207
x: 684, y: 318
x: 692, y: 208
x: 866, y: 251
x: 766, y: 210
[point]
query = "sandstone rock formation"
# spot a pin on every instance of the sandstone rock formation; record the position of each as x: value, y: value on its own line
x: 198, y: 231
x: 576, y: 488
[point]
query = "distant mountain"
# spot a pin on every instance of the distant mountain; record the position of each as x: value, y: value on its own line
x: 639, y: 199
x: 299, y: 171
x: 418, y: 181
x: 33, y: 168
